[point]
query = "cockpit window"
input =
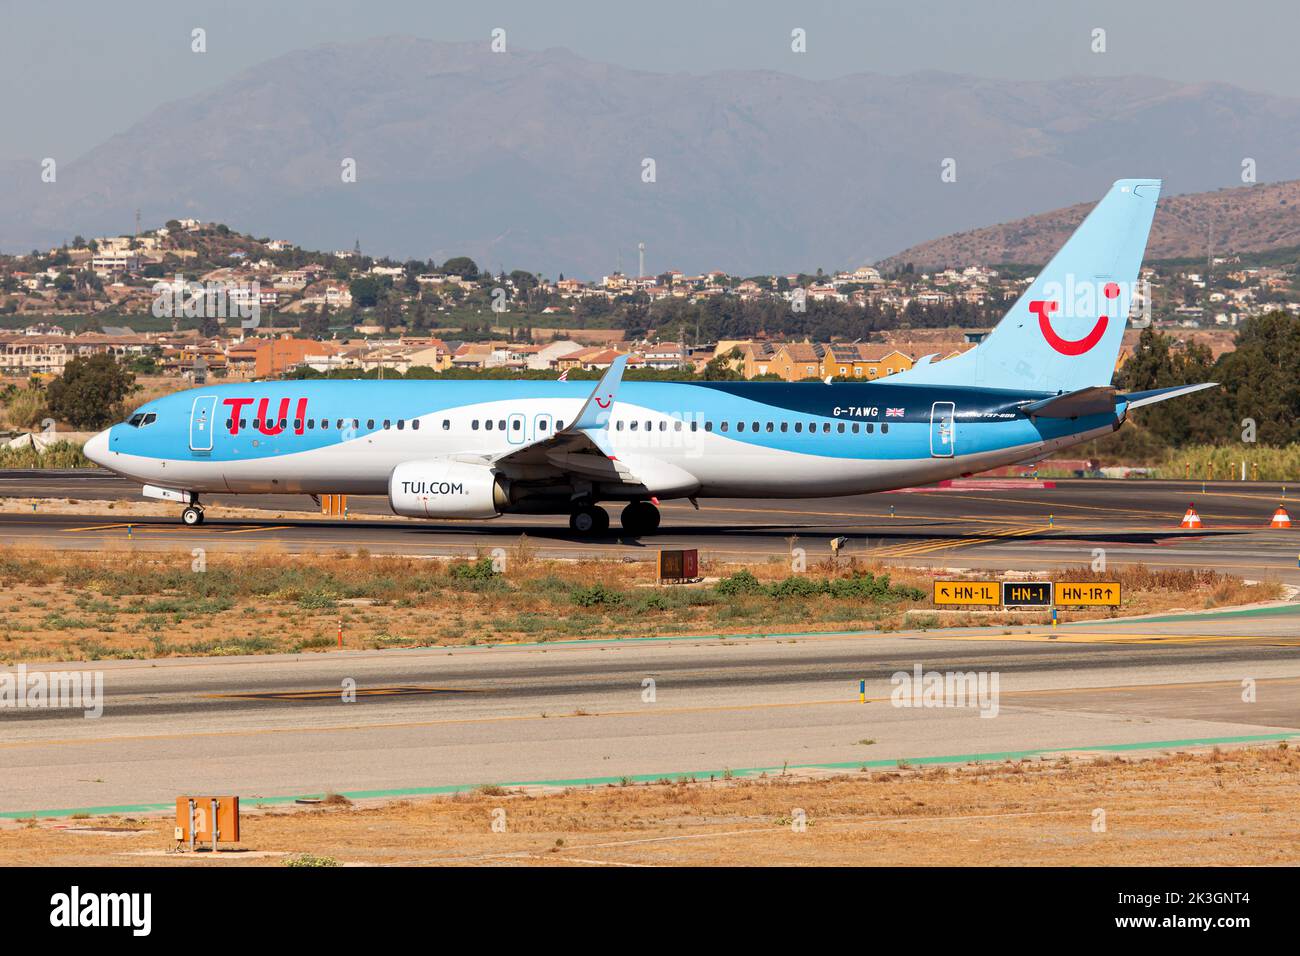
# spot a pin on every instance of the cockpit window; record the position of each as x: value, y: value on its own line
x: 141, y: 419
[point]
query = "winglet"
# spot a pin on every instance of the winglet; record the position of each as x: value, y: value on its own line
x: 600, y: 403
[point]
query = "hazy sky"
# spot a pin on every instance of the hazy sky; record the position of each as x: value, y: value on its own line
x: 78, y: 72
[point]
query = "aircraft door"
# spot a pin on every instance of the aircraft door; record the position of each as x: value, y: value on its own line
x: 201, y: 423
x: 943, y: 429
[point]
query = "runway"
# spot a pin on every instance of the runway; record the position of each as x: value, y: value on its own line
x: 432, y: 720
x: 976, y: 524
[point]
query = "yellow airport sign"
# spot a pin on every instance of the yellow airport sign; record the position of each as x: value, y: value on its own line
x: 1087, y: 593
x: 967, y: 592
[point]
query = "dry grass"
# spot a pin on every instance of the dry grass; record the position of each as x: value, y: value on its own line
x: 1234, y: 808
x: 140, y: 603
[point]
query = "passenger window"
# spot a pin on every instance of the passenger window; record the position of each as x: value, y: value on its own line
x: 678, y: 425
x: 415, y: 424
x: 884, y: 428
x: 387, y: 424
x: 515, y: 425
x: 257, y: 423
x: 871, y: 428
x: 370, y: 424
x: 663, y: 426
x: 400, y: 424
x: 740, y: 427
x: 230, y: 423
x: 502, y: 424
x: 559, y: 424
x: 723, y: 426
x: 474, y: 425
x: 755, y: 426
x: 840, y: 428
x: 771, y: 427
x: 297, y: 424
x: 708, y: 426
x: 618, y: 427
x: 855, y: 428
x: 324, y: 423
x: 282, y: 423
x: 632, y: 426
x: 826, y: 428
x: 311, y: 423
x: 695, y: 426
x: 785, y: 426
x: 446, y: 424
x: 798, y: 427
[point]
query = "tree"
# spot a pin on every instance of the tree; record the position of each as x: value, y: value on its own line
x: 1260, y: 377
x: 314, y: 323
x: 365, y: 291
x: 462, y: 266
x: 90, y: 392
x: 1159, y: 362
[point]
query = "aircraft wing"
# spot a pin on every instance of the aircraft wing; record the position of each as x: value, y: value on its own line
x: 582, y: 447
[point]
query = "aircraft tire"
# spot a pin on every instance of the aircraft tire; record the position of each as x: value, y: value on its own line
x: 589, y: 519
x: 640, y: 517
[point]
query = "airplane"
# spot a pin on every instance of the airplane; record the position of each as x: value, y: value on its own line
x: 1039, y: 382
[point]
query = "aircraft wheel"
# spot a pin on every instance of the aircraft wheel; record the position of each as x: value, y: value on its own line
x: 589, y: 519
x: 192, y: 515
x: 640, y: 517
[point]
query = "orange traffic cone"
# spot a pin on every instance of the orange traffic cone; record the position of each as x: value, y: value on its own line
x: 1191, y: 519
x: 1280, y: 518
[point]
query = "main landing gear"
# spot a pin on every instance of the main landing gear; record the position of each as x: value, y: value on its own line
x: 640, y: 517
x: 589, y: 519
x: 192, y: 514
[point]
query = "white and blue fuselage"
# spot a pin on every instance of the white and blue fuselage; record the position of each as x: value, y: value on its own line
x: 1039, y: 382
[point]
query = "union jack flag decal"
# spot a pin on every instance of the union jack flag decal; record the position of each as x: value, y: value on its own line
x: 894, y: 412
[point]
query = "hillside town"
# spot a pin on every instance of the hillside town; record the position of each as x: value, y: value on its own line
x: 195, y: 300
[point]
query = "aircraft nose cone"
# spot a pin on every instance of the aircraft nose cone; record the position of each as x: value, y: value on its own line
x: 96, y: 447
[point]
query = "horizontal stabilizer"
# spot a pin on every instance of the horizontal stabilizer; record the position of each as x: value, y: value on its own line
x: 1093, y: 400
x: 1138, y: 399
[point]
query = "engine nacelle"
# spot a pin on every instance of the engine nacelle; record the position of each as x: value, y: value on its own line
x: 441, y: 488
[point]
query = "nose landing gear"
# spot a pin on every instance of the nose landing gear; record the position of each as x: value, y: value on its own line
x: 192, y: 515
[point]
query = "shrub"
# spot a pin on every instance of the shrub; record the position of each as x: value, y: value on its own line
x: 742, y: 582
x: 597, y: 595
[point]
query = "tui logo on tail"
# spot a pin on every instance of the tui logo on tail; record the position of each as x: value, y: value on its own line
x: 1042, y: 308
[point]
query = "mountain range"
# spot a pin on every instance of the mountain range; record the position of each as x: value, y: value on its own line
x: 1245, y: 219
x: 535, y: 159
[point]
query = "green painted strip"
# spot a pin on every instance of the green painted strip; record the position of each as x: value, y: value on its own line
x: 1277, y: 610
x: 692, y: 775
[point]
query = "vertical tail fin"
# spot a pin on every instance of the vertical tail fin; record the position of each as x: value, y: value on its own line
x: 1064, y: 332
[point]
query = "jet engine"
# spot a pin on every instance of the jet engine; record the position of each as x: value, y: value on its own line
x: 441, y: 488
